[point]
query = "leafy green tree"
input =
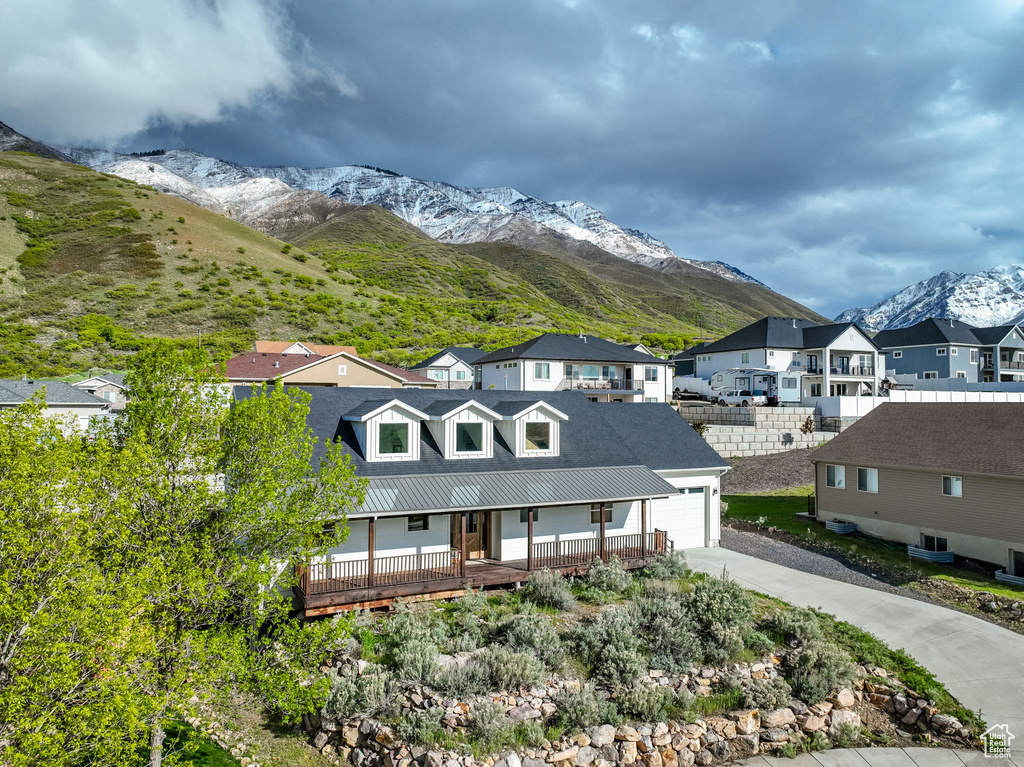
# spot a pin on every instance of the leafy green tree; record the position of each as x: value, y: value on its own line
x: 70, y: 641
x: 211, y: 502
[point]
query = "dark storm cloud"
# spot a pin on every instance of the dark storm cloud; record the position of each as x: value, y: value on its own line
x: 836, y: 150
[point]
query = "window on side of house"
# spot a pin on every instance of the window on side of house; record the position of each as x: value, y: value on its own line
x: 651, y: 374
x: 934, y: 543
x: 940, y: 352
x: 974, y: 356
x: 929, y: 374
x: 650, y: 399
x: 591, y: 372
x: 835, y: 476
x: 595, y: 513
x: 524, y: 515
x: 394, y: 438
x: 961, y: 374
x: 418, y: 523
x: 953, y: 486
x: 867, y: 480
x: 745, y: 358
x: 342, y: 370
x: 542, y: 371
x: 771, y: 352
x: 1016, y: 562
x: 953, y: 352
x: 460, y: 375
x: 538, y: 435
x: 815, y: 389
x: 469, y: 437
x: 898, y: 354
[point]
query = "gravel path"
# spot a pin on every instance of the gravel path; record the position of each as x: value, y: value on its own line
x: 784, y: 554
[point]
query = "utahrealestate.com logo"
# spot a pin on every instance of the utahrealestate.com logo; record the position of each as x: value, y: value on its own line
x: 996, y: 740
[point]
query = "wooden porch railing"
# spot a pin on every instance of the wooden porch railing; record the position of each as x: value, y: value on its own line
x: 581, y: 551
x: 387, y: 571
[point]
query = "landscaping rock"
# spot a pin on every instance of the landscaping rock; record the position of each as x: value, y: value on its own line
x: 780, y: 717
x: 601, y: 736
x: 587, y: 755
x: 523, y: 712
x: 813, y: 724
x: 843, y: 717
x: 843, y: 699
x: 628, y: 751
x: 747, y: 722
x: 625, y: 732
x: 564, y: 756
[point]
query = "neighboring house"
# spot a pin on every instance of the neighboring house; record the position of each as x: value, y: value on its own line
x: 62, y: 399
x: 452, y: 368
x: 340, y: 369
x: 946, y: 477
x: 604, y: 371
x: 835, y: 360
x: 642, y: 348
x: 685, y: 361
x: 932, y: 348
x: 482, y: 487
x: 301, y: 347
x: 108, y: 386
x: 1002, y: 353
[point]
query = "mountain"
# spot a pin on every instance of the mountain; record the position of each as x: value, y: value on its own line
x: 985, y: 299
x: 445, y: 212
x: 12, y: 141
x: 92, y: 264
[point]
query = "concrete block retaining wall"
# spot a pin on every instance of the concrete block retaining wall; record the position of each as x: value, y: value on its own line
x: 761, y: 417
x: 746, y: 441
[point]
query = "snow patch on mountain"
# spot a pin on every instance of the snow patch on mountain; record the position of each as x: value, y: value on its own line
x: 445, y: 212
x: 990, y: 298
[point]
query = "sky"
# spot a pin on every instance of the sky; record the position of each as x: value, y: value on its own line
x: 836, y: 150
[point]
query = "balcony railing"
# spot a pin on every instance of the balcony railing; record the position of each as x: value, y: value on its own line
x: 844, y: 370
x: 1010, y: 365
x: 386, y: 571
x: 582, y: 551
x: 614, y: 384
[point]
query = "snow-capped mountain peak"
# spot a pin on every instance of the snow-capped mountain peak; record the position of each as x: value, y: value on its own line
x: 989, y: 298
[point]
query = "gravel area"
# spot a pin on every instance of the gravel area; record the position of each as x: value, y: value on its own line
x: 784, y: 554
x: 761, y: 473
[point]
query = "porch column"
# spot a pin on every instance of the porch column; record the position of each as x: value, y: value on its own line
x: 603, y: 552
x: 529, y: 539
x: 462, y: 544
x: 643, y: 528
x: 370, y: 544
x: 826, y: 371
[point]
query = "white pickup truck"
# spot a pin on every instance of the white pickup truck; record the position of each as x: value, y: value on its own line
x: 741, y: 397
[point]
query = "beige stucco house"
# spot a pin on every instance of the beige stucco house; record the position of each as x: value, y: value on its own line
x: 339, y: 369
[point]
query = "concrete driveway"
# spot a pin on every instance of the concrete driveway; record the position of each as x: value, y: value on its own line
x: 980, y: 663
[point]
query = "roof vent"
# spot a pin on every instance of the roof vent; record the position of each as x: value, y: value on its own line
x: 794, y: 323
x: 951, y: 323
x: 277, y: 363
x: 253, y: 360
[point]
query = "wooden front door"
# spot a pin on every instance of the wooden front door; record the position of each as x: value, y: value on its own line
x: 477, y: 534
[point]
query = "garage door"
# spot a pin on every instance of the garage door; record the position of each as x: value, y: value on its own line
x: 682, y: 517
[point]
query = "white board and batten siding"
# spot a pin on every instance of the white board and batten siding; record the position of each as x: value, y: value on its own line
x: 393, y: 538
x: 444, y: 433
x: 368, y: 435
x: 561, y: 524
x: 692, y: 518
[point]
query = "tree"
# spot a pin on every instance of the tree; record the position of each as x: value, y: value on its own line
x: 69, y: 635
x: 210, y: 503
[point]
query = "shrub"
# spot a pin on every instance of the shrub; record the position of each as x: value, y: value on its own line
x: 512, y: 670
x: 353, y: 693
x: 645, y: 702
x: 817, y: 669
x: 472, y: 677
x: 609, y: 644
x: 548, y: 589
x: 423, y: 727
x: 672, y: 641
x: 766, y: 694
x: 721, y: 611
x: 758, y: 642
x: 529, y: 630
x: 577, y: 710
x: 609, y: 576
x: 410, y: 643
x: 668, y: 567
x: 796, y: 626
x: 488, y: 722
x: 528, y: 734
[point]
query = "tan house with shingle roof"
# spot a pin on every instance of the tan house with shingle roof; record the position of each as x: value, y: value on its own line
x: 941, y: 476
x: 340, y: 369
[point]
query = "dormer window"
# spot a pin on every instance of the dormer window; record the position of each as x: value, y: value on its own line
x: 394, y: 438
x: 538, y: 435
x: 469, y: 437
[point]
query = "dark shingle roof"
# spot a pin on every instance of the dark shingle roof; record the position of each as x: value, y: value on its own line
x: 562, y: 346
x: 773, y: 332
x: 57, y: 393
x: 591, y: 437
x: 961, y: 437
x: 929, y: 331
x: 992, y: 336
x: 466, y: 354
x: 114, y: 378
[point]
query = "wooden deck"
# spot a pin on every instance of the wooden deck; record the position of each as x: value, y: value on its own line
x: 339, y: 586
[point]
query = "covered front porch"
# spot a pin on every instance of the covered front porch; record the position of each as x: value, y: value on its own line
x: 479, y: 552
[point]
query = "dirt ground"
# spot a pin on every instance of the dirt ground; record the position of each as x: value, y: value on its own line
x: 762, y: 473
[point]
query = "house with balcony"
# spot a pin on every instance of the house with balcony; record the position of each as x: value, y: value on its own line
x: 834, y: 360
x: 943, y: 348
x: 946, y: 479
x: 452, y: 368
x: 480, y: 488
x: 603, y: 370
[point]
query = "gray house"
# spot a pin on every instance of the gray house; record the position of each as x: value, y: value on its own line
x: 941, y: 477
x: 940, y: 348
x: 62, y: 400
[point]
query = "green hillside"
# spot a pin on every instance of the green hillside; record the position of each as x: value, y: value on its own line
x: 91, y: 265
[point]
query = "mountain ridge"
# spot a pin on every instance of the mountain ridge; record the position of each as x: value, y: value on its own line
x: 988, y: 298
